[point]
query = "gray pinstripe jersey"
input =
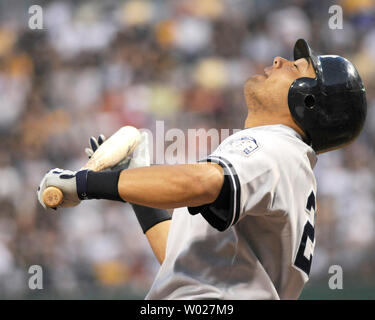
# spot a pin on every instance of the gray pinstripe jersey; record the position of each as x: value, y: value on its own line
x: 256, y: 241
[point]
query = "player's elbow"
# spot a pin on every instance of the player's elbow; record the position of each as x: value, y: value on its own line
x: 209, y: 184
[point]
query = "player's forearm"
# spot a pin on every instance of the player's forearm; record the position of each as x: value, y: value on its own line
x: 155, y: 225
x: 157, y: 236
x: 171, y: 186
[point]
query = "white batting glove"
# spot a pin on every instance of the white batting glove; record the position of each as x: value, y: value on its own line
x: 141, y: 155
x: 65, y: 180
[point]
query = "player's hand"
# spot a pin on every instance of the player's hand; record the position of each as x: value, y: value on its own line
x: 94, y: 145
x: 141, y: 155
x: 67, y: 182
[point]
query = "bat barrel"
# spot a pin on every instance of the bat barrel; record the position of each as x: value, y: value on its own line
x: 52, y: 197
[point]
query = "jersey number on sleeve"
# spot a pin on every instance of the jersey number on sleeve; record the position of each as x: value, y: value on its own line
x: 306, y: 247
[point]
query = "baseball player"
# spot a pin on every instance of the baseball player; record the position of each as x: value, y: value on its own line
x: 245, y: 217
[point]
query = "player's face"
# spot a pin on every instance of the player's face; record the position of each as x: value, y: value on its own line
x: 270, y: 90
x: 289, y: 71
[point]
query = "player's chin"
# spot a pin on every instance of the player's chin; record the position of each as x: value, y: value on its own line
x: 257, y: 78
x: 254, y: 81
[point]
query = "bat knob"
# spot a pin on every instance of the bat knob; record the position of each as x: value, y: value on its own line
x: 52, y: 197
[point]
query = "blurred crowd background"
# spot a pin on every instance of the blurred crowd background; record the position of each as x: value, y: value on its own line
x: 98, y: 65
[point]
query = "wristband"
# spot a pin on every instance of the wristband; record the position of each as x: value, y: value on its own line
x: 81, y: 182
x: 103, y: 185
x: 148, y: 217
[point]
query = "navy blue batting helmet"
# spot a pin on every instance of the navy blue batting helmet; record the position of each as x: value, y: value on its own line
x: 331, y: 108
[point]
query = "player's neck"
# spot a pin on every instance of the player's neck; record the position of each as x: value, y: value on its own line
x: 257, y: 121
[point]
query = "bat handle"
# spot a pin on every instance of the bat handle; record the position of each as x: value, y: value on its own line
x: 52, y: 197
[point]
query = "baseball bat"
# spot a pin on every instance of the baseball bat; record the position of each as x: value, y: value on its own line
x: 121, y: 144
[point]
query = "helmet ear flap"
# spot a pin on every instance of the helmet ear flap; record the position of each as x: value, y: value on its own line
x: 303, y: 97
x: 310, y: 101
x: 303, y: 100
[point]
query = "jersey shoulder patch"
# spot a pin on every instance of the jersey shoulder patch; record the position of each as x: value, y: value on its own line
x: 245, y: 145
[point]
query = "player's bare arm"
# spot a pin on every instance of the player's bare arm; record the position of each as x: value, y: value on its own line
x: 172, y: 186
x: 157, y: 237
x: 161, y: 187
